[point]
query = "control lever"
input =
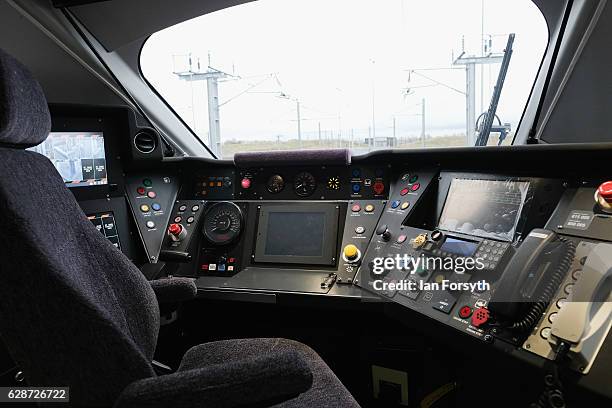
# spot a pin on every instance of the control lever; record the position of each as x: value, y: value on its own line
x: 167, y: 255
x: 384, y: 232
x: 585, y: 318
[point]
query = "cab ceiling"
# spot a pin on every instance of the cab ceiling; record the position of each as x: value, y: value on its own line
x: 135, y: 19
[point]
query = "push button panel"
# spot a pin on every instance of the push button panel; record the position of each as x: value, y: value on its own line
x: 151, y: 198
x: 183, y: 224
x: 360, y: 224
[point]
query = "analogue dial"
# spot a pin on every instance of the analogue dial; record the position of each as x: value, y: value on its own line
x: 333, y: 183
x: 304, y: 184
x: 275, y: 184
x: 222, y: 223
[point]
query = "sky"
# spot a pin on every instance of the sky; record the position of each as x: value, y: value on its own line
x: 348, y: 63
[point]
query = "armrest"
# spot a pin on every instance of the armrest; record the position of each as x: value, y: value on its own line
x: 267, y: 379
x: 169, y: 290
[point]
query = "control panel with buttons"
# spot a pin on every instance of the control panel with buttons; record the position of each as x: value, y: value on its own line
x: 359, y: 227
x: 183, y: 225
x: 151, y: 198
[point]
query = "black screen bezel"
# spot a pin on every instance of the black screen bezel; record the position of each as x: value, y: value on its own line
x: 332, y: 215
x: 113, y: 124
x: 446, y: 179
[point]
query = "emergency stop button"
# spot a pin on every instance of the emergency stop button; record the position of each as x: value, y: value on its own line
x: 176, y: 232
x: 603, y: 196
x: 605, y: 191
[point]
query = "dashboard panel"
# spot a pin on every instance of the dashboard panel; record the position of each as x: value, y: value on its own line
x: 307, y: 229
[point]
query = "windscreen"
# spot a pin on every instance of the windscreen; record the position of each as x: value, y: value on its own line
x: 365, y: 75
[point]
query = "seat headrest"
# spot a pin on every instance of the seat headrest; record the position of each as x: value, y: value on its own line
x: 24, y: 114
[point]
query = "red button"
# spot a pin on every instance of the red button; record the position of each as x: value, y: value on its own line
x: 378, y: 187
x: 415, y: 186
x: 605, y: 191
x: 152, y: 194
x: 231, y: 260
x: 246, y: 183
x: 480, y: 317
x: 204, y: 267
x: 175, y: 229
x: 356, y: 208
x: 140, y: 190
x: 465, y: 312
x: 404, y: 191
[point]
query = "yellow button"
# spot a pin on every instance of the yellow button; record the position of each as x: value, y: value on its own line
x: 405, y: 205
x: 350, y: 252
x: 439, y: 278
x: 369, y: 208
x: 144, y: 208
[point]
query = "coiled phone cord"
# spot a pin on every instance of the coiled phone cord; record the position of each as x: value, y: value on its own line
x: 537, y: 309
x: 552, y: 395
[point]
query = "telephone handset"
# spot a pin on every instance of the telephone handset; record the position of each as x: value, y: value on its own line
x: 531, y: 278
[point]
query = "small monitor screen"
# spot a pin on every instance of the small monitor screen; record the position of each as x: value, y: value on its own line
x: 78, y: 157
x: 105, y: 223
x: 295, y: 234
x: 484, y: 208
x: 459, y: 247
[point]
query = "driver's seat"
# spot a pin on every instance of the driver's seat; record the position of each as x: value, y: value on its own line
x: 74, y: 311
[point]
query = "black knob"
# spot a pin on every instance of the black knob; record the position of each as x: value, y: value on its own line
x: 383, y: 231
x: 437, y: 235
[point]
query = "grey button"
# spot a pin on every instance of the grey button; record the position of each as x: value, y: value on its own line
x: 150, y: 224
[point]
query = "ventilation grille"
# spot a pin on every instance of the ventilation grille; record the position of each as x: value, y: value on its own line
x: 145, y: 142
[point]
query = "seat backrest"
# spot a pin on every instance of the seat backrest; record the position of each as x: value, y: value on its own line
x: 74, y: 311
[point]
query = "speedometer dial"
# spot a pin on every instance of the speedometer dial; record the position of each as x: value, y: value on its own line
x: 222, y: 223
x: 304, y: 184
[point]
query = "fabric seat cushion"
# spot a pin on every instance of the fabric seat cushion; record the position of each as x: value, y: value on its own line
x: 326, y: 390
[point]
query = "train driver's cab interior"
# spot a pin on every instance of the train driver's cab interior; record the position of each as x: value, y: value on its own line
x: 305, y: 203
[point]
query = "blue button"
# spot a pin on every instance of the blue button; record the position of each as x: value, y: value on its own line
x: 356, y: 188
x: 221, y: 267
x: 395, y: 204
x: 356, y: 172
x: 156, y: 207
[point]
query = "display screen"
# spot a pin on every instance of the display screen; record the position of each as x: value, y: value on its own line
x: 459, y: 247
x: 105, y: 223
x: 484, y: 208
x: 78, y: 157
x: 295, y: 234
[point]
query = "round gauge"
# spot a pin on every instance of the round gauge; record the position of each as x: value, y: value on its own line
x: 304, y: 184
x: 333, y: 183
x: 275, y: 184
x: 222, y: 223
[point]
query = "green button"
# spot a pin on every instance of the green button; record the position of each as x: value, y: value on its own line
x: 147, y: 182
x: 414, y: 178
